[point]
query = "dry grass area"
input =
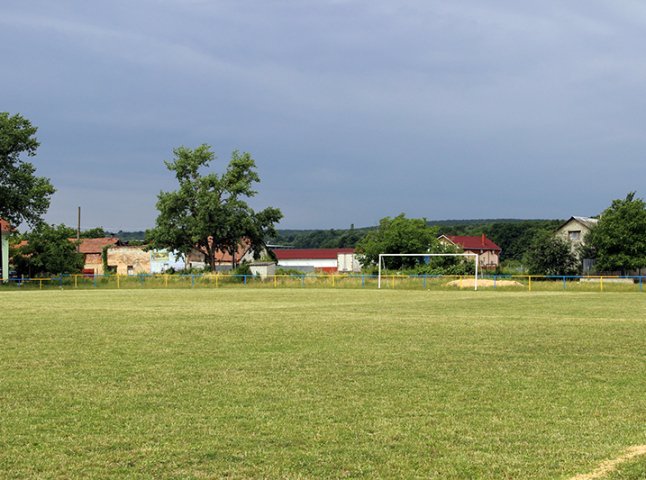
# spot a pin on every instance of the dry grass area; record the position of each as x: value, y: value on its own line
x: 483, y: 283
x: 610, y: 466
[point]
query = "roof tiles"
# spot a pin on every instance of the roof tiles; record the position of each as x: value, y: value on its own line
x: 480, y: 242
x: 4, y: 226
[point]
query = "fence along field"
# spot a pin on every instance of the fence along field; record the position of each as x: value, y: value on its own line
x: 338, y: 281
x: 319, y: 383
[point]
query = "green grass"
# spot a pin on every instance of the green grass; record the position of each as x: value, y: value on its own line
x: 635, y: 470
x: 319, y: 383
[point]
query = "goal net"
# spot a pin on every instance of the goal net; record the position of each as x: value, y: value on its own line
x: 384, y: 255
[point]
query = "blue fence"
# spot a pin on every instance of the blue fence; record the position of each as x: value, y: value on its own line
x: 389, y: 281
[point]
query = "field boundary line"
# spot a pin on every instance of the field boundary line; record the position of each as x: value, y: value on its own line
x: 611, y: 465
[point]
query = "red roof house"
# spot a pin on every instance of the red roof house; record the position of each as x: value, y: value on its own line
x: 488, y: 252
x: 92, y: 250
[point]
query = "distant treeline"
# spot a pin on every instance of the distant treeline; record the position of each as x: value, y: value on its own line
x: 512, y: 235
x: 137, y: 236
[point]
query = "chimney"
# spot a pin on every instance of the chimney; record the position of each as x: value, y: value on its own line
x: 483, y: 239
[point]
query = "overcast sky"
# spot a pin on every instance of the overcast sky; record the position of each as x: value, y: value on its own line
x: 353, y: 109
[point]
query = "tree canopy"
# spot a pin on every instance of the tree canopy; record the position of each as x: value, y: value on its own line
x: 48, y: 251
x: 24, y: 197
x: 619, y: 239
x: 209, y: 212
x: 398, y: 235
x: 551, y: 255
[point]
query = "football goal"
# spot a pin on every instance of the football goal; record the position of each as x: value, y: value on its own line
x: 383, y: 255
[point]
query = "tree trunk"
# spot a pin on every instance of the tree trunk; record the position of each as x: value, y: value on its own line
x: 210, y: 255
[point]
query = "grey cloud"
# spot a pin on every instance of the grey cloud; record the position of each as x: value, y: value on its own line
x: 353, y: 109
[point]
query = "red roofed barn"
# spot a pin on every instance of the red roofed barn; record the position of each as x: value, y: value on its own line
x: 487, y: 251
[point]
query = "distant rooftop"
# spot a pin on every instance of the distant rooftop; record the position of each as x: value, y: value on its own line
x: 480, y: 242
x: 587, y: 221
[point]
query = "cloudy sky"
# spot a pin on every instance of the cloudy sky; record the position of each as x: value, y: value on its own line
x: 353, y: 109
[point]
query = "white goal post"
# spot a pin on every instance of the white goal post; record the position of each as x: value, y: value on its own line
x: 382, y: 255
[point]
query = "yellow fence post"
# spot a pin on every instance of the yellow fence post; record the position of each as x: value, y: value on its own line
x: 529, y: 285
x: 217, y: 280
x: 275, y: 281
x: 76, y: 281
x: 601, y: 283
x: 41, y: 283
x: 118, y: 283
x: 166, y: 280
x: 460, y: 281
x: 333, y: 278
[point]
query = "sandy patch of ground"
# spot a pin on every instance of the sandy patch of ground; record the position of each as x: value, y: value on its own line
x: 483, y: 282
x: 610, y: 465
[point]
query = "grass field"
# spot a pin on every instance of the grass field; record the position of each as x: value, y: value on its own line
x: 316, y: 383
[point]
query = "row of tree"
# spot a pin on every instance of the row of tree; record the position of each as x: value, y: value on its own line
x: 208, y: 212
x: 401, y: 235
x: 616, y: 244
x: 513, y: 236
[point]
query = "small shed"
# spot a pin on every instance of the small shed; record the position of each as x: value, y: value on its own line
x: 263, y: 269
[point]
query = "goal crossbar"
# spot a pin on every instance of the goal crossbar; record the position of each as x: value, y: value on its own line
x: 382, y: 255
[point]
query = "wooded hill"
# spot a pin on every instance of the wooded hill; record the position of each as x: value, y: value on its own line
x: 512, y: 235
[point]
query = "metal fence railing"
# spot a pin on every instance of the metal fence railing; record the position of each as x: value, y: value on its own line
x: 391, y: 281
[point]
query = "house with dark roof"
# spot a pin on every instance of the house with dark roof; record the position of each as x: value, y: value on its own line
x: 330, y: 260
x: 488, y: 252
x: 575, y: 229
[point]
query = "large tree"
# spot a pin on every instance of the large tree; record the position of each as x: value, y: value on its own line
x: 551, y: 255
x: 209, y: 211
x: 24, y: 197
x: 399, y: 235
x: 619, y: 239
x: 48, y: 251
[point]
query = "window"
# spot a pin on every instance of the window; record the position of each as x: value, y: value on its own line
x: 574, y: 235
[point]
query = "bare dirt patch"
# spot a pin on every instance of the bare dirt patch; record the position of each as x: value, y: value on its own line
x: 470, y: 283
x: 610, y: 465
